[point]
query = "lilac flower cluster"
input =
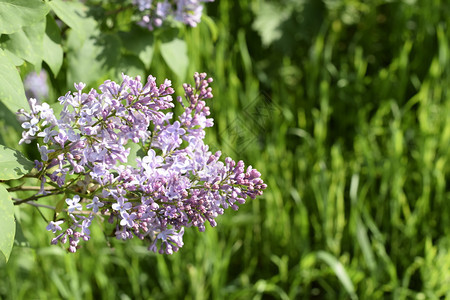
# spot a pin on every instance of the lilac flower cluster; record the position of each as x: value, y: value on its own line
x: 188, y: 12
x: 177, y: 182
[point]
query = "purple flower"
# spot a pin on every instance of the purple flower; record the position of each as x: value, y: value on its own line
x: 127, y: 219
x: 73, y: 203
x: 188, y: 12
x: 163, y: 9
x: 44, y: 151
x: 123, y: 234
x: 31, y: 126
x: 171, y: 241
x: 46, y: 113
x: 47, y: 134
x: 151, y: 162
x: 121, y: 205
x: 175, y: 129
x: 85, y: 227
x: 143, y: 4
x: 95, y: 204
x: 54, y: 226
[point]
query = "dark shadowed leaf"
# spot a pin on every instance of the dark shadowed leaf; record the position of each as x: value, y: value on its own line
x: 53, y: 54
x: 97, y: 56
x: 132, y: 66
x: 139, y: 42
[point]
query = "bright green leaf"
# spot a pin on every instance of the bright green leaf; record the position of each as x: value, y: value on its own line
x: 339, y: 271
x: 175, y: 55
x: 13, y: 164
x: 139, y: 41
x: 135, y: 150
x: 8, y: 226
x: 27, y: 43
x: 17, y: 61
x: 15, y: 14
x: 12, y: 93
x: 53, y: 54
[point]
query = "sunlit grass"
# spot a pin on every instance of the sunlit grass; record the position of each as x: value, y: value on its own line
x: 352, y: 139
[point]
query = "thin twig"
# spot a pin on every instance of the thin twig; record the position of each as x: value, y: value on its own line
x: 81, y: 212
x: 34, y: 197
x: 37, y: 204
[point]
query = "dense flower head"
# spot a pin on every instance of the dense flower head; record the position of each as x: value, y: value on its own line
x: 155, y: 13
x: 175, y: 181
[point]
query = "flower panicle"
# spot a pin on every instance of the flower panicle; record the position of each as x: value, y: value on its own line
x: 176, y: 183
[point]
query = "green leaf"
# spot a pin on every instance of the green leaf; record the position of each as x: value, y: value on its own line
x: 73, y: 14
x: 13, y: 164
x: 17, y: 61
x: 53, y: 54
x: 139, y: 41
x: 212, y: 27
x: 124, y: 19
x: 57, y: 108
x: 135, y: 149
x: 12, y: 93
x: 96, y: 57
x: 175, y: 55
x: 132, y: 66
x: 15, y: 14
x: 27, y: 43
x: 60, y: 205
x: 8, y: 226
x: 340, y: 272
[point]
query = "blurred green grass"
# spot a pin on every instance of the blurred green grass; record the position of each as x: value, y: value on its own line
x: 343, y: 107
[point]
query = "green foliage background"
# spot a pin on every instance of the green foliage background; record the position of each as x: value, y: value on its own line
x: 343, y: 107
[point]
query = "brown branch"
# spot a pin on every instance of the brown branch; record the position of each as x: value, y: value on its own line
x: 28, y: 188
x: 33, y: 198
x: 37, y: 204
